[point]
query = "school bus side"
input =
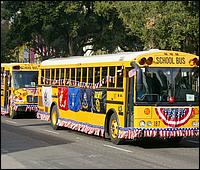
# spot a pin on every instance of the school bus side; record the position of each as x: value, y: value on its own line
x: 119, y: 118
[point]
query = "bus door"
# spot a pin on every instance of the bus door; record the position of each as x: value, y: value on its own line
x: 7, y: 89
x: 130, y: 96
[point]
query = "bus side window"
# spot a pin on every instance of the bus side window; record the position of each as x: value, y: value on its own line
x: 42, y: 76
x: 111, y: 78
x: 119, y: 76
x: 104, y: 76
x: 78, y: 75
x: 84, y: 75
x: 47, y: 77
x: 52, y: 76
x: 72, y: 76
x: 57, y: 76
x: 67, y: 77
x: 62, y: 76
x: 90, y: 75
x: 97, y: 75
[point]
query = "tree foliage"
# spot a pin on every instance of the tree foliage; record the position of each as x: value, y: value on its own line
x: 68, y: 26
x: 163, y: 24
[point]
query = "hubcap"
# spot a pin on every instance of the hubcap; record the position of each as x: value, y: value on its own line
x: 54, y: 118
x: 114, y: 128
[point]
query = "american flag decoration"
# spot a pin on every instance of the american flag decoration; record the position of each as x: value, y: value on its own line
x: 126, y: 133
x: 132, y: 133
x: 174, y: 117
x: 4, y: 111
x: 99, y: 84
x: 82, y: 127
x: 14, y: 106
x: 43, y: 116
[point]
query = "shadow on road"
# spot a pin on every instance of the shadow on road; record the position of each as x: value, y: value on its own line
x: 15, y: 139
x: 150, y: 143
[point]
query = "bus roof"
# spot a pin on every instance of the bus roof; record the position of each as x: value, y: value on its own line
x: 22, y: 66
x: 122, y: 56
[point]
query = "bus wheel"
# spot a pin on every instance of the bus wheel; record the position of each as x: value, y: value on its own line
x: 13, y: 114
x: 54, y: 117
x: 114, y: 129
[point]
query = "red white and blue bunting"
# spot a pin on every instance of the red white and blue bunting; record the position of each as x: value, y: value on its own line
x: 82, y: 127
x: 126, y: 133
x: 4, y: 111
x: 43, y: 116
x: 132, y: 133
x: 110, y: 79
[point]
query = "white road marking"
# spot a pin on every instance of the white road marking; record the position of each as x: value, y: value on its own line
x: 11, y: 121
x: 192, y: 141
x: 118, y: 148
x: 51, y: 131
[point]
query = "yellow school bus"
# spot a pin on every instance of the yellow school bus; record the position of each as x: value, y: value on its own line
x: 128, y: 95
x: 19, y: 83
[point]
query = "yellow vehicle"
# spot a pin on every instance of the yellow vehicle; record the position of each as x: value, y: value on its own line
x: 127, y: 95
x: 19, y: 83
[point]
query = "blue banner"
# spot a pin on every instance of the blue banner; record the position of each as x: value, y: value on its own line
x: 86, y: 99
x: 74, y: 99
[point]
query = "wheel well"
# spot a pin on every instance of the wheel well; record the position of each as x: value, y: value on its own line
x: 107, y: 120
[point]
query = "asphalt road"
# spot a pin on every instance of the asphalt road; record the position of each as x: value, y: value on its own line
x: 30, y: 143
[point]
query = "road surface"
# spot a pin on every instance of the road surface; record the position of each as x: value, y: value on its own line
x: 29, y: 143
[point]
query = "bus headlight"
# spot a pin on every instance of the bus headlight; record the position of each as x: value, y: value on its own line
x: 194, y: 123
x: 142, y: 123
x: 149, y: 123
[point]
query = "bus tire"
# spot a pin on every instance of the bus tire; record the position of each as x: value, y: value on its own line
x: 114, y: 130
x: 54, y: 117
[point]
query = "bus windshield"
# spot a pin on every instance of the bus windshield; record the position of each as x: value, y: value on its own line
x: 23, y: 79
x: 159, y: 84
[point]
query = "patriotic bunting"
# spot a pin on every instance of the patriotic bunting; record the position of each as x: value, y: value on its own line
x: 126, y: 133
x: 99, y: 84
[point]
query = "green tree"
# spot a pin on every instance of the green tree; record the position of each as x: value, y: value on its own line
x: 68, y: 26
x: 163, y: 24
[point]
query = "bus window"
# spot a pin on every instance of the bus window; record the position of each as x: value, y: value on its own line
x: 104, y: 75
x: 42, y: 77
x: 84, y: 75
x: 57, y: 76
x: 119, y: 76
x: 52, y: 75
x: 72, y: 75
x: 67, y: 76
x: 23, y: 79
x: 78, y: 75
x: 47, y: 77
x: 111, y: 79
x: 90, y: 76
x: 62, y: 76
x: 97, y: 74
